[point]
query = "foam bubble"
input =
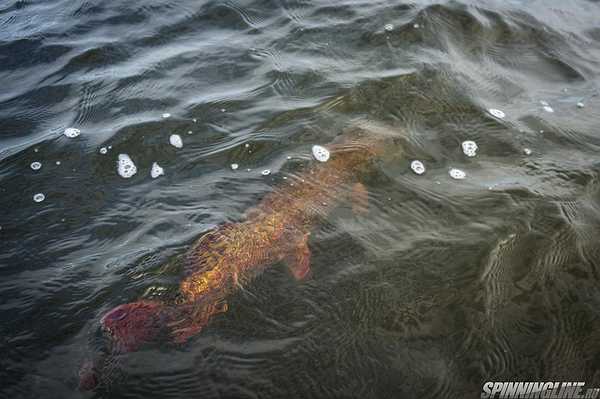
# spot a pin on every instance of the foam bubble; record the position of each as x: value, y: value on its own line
x: 469, y: 147
x: 125, y: 166
x: 103, y: 150
x: 39, y: 197
x: 417, y: 167
x: 320, y: 153
x: 388, y: 27
x: 548, y: 108
x: 234, y: 166
x: 497, y: 113
x: 72, y: 132
x: 580, y: 105
x: 58, y: 162
x: 457, y: 174
x: 176, y: 141
x: 166, y: 115
x: 526, y: 151
x: 265, y: 172
x: 36, y: 165
x: 156, y: 171
x: 416, y: 26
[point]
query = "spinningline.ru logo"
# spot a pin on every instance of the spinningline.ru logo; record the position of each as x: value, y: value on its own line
x: 541, y: 390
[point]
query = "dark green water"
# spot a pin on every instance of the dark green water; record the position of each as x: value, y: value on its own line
x: 443, y: 285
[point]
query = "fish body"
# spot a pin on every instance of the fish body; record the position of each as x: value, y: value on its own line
x: 223, y: 260
x: 276, y: 230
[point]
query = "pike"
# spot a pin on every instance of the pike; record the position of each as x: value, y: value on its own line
x: 222, y: 261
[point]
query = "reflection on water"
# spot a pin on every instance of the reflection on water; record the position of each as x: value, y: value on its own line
x: 444, y: 283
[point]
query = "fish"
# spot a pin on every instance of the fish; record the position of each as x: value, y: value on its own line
x: 226, y: 259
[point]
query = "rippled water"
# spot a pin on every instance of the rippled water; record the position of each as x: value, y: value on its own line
x: 443, y: 285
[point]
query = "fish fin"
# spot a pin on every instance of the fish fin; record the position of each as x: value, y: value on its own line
x: 360, y: 199
x: 197, y: 322
x: 298, y: 260
x: 180, y: 336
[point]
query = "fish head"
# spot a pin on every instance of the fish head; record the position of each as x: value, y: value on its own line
x: 127, y: 328
x: 131, y: 325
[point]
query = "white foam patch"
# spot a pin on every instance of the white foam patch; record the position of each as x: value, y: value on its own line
x: 457, y: 174
x: 176, y: 141
x: 166, y: 115
x: 580, y: 105
x: 265, y: 172
x: 156, y: 171
x: 72, y: 132
x: 469, y: 147
x: 320, y: 153
x: 36, y: 165
x: 234, y: 166
x: 125, y: 166
x: 39, y: 197
x: 388, y: 27
x: 527, y: 151
x: 103, y: 150
x: 548, y: 108
x: 417, y: 167
x: 497, y: 113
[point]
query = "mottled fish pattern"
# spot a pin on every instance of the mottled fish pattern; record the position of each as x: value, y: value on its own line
x: 232, y: 255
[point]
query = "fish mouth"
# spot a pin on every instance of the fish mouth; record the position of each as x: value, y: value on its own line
x: 97, y: 368
x: 89, y: 378
x: 100, y: 371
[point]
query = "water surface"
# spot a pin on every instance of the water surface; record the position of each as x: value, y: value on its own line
x: 444, y: 285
